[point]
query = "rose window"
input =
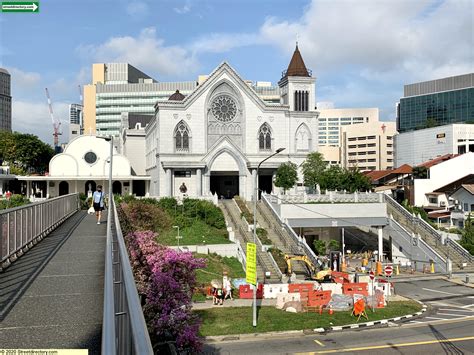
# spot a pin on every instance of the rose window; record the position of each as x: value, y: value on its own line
x: 224, y: 108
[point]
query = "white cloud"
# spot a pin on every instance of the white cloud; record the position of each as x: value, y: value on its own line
x: 184, y: 9
x: 33, y: 117
x: 381, y: 38
x: 23, y: 81
x: 223, y: 42
x: 146, y: 51
x: 137, y: 9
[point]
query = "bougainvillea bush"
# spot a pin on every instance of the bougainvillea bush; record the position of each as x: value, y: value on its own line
x: 165, y: 280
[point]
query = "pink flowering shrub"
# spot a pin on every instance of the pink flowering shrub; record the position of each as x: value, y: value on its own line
x: 165, y: 280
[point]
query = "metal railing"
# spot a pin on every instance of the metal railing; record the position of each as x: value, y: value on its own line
x: 124, y: 330
x: 23, y: 226
x: 418, y: 222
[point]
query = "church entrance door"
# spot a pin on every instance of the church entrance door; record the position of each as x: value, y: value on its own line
x: 225, y: 183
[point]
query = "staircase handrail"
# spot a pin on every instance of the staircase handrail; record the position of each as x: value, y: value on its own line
x: 430, y: 230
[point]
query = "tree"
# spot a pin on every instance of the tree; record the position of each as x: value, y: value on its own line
x: 467, y: 239
x: 331, y: 179
x: 319, y: 246
x: 25, y: 153
x: 286, y: 176
x: 420, y: 172
x: 313, y: 169
x: 353, y: 180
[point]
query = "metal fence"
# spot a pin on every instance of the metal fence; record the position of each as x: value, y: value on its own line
x: 124, y: 330
x: 22, y: 227
x: 418, y: 222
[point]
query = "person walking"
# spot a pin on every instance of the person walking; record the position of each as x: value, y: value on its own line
x: 98, y: 202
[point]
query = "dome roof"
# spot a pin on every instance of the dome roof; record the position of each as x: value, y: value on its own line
x: 177, y: 96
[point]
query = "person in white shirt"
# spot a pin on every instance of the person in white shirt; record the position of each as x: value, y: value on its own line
x: 98, y: 202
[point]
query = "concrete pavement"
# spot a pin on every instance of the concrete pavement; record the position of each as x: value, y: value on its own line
x: 443, y: 337
x: 62, y: 308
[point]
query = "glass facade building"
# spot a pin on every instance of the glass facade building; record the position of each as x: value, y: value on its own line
x: 436, y: 103
x: 5, y: 101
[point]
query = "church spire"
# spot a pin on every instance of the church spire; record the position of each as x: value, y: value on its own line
x: 297, y: 66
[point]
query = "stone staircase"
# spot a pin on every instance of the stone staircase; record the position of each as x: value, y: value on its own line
x: 451, y: 249
x: 279, y: 237
x: 264, y: 263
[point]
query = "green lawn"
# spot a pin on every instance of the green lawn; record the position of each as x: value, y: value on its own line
x: 196, y: 233
x: 216, y: 265
x: 238, y: 320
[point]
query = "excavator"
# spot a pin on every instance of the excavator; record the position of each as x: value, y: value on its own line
x: 323, y: 275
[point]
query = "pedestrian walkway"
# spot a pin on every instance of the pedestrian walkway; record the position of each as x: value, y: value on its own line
x: 237, y: 302
x: 60, y: 306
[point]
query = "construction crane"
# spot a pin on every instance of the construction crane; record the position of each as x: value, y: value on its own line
x: 56, y: 124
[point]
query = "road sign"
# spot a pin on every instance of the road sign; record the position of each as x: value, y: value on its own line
x: 372, y: 274
x: 251, y: 269
x: 20, y: 6
x: 388, y: 270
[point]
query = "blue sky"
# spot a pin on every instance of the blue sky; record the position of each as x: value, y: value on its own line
x: 361, y: 52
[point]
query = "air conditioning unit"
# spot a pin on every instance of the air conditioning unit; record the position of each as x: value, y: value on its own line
x: 442, y: 203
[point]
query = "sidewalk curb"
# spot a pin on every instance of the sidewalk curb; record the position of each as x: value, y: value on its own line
x: 250, y: 336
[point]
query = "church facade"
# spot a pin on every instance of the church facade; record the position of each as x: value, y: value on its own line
x: 212, y: 141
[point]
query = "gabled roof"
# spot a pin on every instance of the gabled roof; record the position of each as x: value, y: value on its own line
x: 469, y: 188
x: 430, y: 163
x: 375, y: 175
x: 297, y: 66
x: 452, y: 187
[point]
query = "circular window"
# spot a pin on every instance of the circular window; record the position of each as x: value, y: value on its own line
x: 90, y: 157
x: 224, y: 108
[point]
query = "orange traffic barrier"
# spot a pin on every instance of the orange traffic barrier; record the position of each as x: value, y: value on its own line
x: 246, y: 292
x: 360, y: 288
x: 340, y: 277
x: 318, y: 298
x: 306, y: 287
x: 359, y: 309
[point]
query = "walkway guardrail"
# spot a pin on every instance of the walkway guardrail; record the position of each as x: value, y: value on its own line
x: 299, y: 241
x: 417, y: 221
x: 22, y: 227
x: 332, y: 197
x: 124, y: 330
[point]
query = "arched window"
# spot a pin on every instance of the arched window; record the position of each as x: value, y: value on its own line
x: 182, y: 136
x: 303, y: 138
x: 264, y: 138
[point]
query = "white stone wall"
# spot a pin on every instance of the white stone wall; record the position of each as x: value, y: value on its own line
x: 225, y: 154
x: 443, y: 174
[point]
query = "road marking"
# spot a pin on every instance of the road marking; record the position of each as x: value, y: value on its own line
x: 415, y: 321
x: 468, y: 306
x: 442, y: 304
x: 455, y: 310
x: 470, y: 296
x: 427, y: 342
x: 451, y: 314
x: 319, y: 343
x: 435, y: 318
x: 446, y: 293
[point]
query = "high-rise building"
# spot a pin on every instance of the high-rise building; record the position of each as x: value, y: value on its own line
x: 120, y: 87
x: 436, y: 103
x: 75, y: 120
x: 330, y: 122
x: 5, y: 101
x: 368, y: 146
x: 416, y: 147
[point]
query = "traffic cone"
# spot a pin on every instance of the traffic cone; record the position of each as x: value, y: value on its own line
x: 330, y: 310
x: 397, y: 270
x: 321, y: 309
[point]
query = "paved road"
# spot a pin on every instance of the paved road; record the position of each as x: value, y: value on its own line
x: 445, y: 299
x: 447, y: 328
x: 442, y: 337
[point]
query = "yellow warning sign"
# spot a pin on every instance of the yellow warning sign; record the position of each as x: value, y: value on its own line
x: 251, y: 270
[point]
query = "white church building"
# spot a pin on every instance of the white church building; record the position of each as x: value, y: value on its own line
x: 213, y: 139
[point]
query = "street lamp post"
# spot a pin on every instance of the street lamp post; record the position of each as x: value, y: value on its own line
x: 255, y: 198
x: 178, y: 237
x: 111, y: 140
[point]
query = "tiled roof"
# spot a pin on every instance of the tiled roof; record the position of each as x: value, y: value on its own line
x: 297, y: 66
x: 375, y: 175
x: 469, y: 188
x: 430, y: 163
